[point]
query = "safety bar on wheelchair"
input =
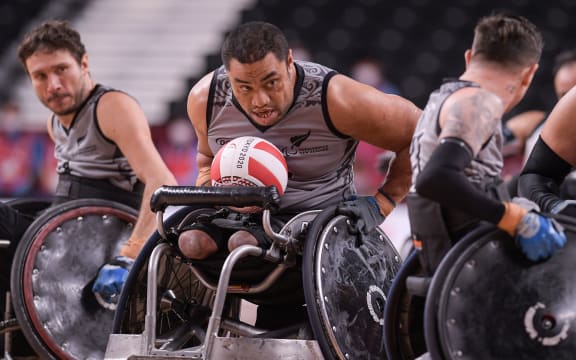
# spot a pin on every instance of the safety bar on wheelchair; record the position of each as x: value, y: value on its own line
x: 240, y: 196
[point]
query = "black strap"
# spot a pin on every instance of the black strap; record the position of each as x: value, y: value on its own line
x: 72, y: 187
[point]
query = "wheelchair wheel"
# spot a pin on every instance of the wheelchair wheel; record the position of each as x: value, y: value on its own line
x: 56, y: 259
x: 431, y: 320
x: 30, y: 206
x: 184, y: 303
x: 346, y: 281
x: 403, y: 315
x: 495, y: 304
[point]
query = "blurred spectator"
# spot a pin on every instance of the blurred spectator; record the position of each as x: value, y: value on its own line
x: 371, y: 162
x: 522, y: 130
x: 373, y: 72
x: 21, y: 154
x: 178, y: 149
x: 48, y: 177
x: 300, y: 51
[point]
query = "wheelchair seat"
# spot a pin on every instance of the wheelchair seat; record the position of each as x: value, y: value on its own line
x: 170, y: 307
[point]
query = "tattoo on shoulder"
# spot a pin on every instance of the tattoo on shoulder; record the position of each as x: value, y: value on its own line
x: 473, y: 119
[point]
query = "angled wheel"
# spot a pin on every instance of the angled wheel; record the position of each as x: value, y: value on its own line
x: 495, y: 304
x: 30, y: 206
x: 56, y: 259
x: 403, y: 315
x: 346, y: 284
x: 431, y: 318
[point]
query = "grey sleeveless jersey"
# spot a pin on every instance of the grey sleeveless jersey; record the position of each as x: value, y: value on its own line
x: 82, y: 150
x: 488, y: 163
x: 319, y: 158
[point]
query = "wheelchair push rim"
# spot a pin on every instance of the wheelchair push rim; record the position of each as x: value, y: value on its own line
x: 54, y: 263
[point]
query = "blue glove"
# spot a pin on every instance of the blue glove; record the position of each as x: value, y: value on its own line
x: 110, y: 281
x: 539, y: 237
x: 365, y: 210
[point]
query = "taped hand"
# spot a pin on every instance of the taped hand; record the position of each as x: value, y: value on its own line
x: 365, y: 210
x: 539, y: 237
x: 110, y: 281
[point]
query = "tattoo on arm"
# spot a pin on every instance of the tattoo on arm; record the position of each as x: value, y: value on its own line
x: 473, y: 119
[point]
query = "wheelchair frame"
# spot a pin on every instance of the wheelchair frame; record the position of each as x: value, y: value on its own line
x: 215, y: 345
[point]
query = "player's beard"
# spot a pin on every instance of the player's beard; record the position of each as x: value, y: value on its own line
x: 78, y: 101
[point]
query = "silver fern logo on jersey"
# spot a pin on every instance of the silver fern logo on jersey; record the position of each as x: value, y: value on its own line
x: 296, y: 143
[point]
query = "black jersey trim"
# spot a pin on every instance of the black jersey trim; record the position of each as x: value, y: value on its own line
x: 325, y: 112
x: 80, y: 108
x: 96, y: 101
x: 211, y: 94
x: 465, y: 84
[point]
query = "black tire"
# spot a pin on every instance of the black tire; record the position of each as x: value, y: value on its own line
x: 403, y: 315
x: 431, y: 319
x: 346, y: 305
x: 29, y: 206
x: 51, y: 274
x: 494, y: 303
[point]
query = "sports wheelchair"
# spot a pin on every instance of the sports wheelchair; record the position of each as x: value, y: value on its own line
x: 53, y: 266
x: 485, y: 301
x: 173, y: 307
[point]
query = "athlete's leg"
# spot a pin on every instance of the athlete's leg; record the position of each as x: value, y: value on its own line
x: 241, y: 237
x: 197, y: 244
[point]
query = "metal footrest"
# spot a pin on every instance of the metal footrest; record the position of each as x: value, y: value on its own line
x: 132, y: 347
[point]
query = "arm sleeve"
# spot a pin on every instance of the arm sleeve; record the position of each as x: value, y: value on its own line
x: 443, y: 181
x: 542, y: 175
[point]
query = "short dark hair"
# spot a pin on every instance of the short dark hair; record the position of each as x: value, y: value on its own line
x: 508, y: 39
x: 51, y: 36
x: 563, y: 58
x: 252, y: 41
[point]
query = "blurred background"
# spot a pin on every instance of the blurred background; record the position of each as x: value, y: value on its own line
x: 157, y: 49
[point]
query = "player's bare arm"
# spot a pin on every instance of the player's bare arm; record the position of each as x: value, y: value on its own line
x: 123, y: 121
x: 471, y: 115
x: 197, y: 103
x: 384, y: 120
x: 522, y: 125
x: 559, y: 131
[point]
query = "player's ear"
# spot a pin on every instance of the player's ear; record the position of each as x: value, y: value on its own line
x: 290, y: 62
x: 289, y: 58
x: 467, y: 57
x: 84, y: 62
x: 528, y: 74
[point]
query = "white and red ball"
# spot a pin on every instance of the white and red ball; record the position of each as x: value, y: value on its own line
x: 249, y: 161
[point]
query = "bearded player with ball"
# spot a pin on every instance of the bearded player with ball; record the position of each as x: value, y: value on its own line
x: 313, y: 115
